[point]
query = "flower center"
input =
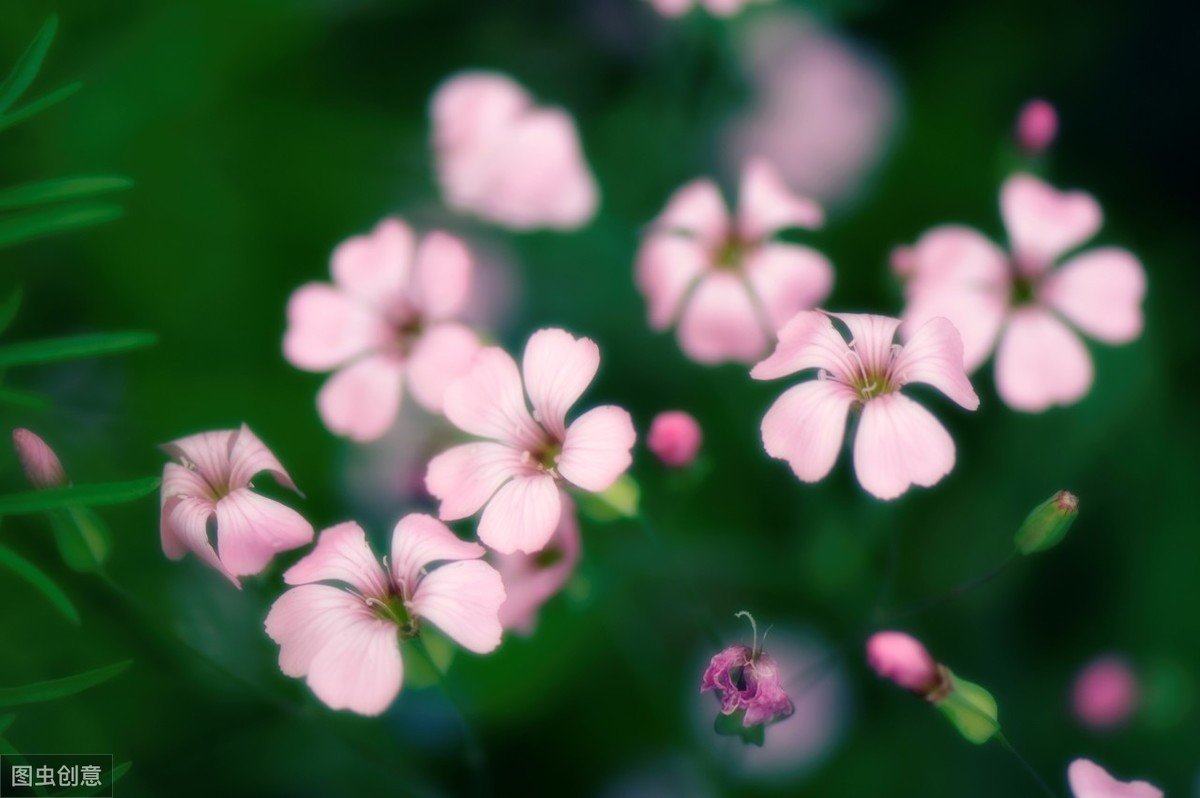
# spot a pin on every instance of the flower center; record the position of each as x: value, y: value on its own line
x: 406, y: 331
x: 1024, y: 291
x: 544, y: 456
x: 395, y: 610
x: 730, y: 253
x: 870, y: 380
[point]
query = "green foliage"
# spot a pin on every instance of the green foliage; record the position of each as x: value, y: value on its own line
x: 66, y: 188
x: 59, y: 349
x: 9, y: 307
x: 732, y: 726
x: 34, y: 224
x: 44, y: 584
x: 27, y: 67
x: 36, y: 501
x: 60, y: 688
x: 82, y: 537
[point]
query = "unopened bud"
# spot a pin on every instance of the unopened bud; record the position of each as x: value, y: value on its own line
x: 674, y: 438
x: 1037, y: 125
x: 1048, y: 523
x: 971, y: 709
x: 901, y: 658
x: 41, y: 464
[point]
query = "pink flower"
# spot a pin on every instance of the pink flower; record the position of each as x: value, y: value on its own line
x: 387, y: 319
x: 1105, y: 693
x: 517, y: 472
x: 718, y: 8
x: 507, y: 160
x: 1037, y: 125
x: 898, y: 443
x: 724, y: 280
x: 530, y: 580
x: 41, y: 465
x: 747, y: 680
x: 901, y: 658
x: 346, y: 641
x: 211, y: 482
x: 1022, y: 299
x: 674, y: 438
x: 1089, y: 780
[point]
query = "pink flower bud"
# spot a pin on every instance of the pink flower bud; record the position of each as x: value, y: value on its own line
x: 41, y: 464
x: 674, y: 438
x: 1105, y: 693
x: 1037, y: 125
x: 902, y: 659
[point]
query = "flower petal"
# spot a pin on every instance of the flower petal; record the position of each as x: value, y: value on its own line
x: 806, y: 425
x: 522, y: 515
x: 359, y: 668
x: 440, y: 356
x: 899, y: 444
x: 667, y: 267
x: 251, y: 529
x: 375, y: 267
x: 474, y: 105
x: 342, y: 554
x: 788, y: 278
x: 721, y: 322
x: 419, y: 540
x: 185, y: 528
x: 953, y: 254
x: 934, y: 356
x: 1101, y: 291
x: 1089, y: 780
x: 249, y: 456
x: 871, y: 338
x: 327, y: 327
x: 1040, y: 363
x: 489, y: 401
x: 596, y: 448
x: 307, y: 618
x: 206, y: 452
x: 463, y: 600
x: 362, y: 400
x: 557, y: 368
x: 697, y: 210
x: 442, y: 276
x: 465, y: 477
x: 808, y: 341
x: 766, y: 205
x: 529, y: 583
x: 1043, y: 223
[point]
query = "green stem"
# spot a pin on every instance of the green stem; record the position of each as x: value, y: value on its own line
x: 1000, y: 738
x: 907, y: 611
x: 476, y: 754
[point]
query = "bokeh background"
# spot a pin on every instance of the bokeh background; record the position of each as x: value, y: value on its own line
x: 259, y: 133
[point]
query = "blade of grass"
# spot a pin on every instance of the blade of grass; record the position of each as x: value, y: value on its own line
x: 36, y: 577
x: 36, y: 501
x: 37, y: 106
x: 64, y: 188
x: 28, y: 65
x: 9, y: 308
x: 58, y: 349
x: 60, y: 688
x: 43, y: 222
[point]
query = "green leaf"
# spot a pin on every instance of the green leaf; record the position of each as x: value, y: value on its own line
x: 37, y: 106
x: 48, y: 221
x: 82, y: 537
x: 60, y: 688
x: 33, y: 401
x: 66, y: 188
x: 732, y: 726
x: 6, y: 721
x: 57, y: 349
x: 28, y: 65
x: 9, y: 308
x: 621, y: 500
x: 102, y: 493
x: 36, y: 577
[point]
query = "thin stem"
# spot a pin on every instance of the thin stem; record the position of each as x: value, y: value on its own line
x: 1000, y: 738
x: 926, y: 604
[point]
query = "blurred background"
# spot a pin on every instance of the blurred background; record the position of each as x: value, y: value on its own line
x: 261, y: 133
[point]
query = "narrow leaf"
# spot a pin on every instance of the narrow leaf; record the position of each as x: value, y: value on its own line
x: 36, y: 577
x: 43, y: 222
x: 33, y: 401
x: 57, y: 349
x: 82, y: 537
x: 6, y: 721
x: 36, y: 501
x: 37, y: 106
x: 66, y: 188
x: 9, y: 308
x: 28, y: 65
x: 60, y: 688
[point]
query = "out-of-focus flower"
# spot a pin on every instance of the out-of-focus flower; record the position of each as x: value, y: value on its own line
x: 898, y: 442
x: 211, y: 482
x: 517, y: 472
x: 1022, y: 299
x: 387, y: 319
x: 725, y: 280
x: 530, y: 580
x: 41, y: 465
x: 902, y: 659
x: 507, y: 160
x: 1048, y: 523
x: 1106, y: 693
x: 1037, y: 125
x: 346, y: 641
x: 718, y: 8
x: 748, y: 680
x: 1089, y: 780
x: 674, y: 438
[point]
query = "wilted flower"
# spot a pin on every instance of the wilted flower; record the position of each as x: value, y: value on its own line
x: 1105, y: 693
x: 1089, y: 780
x: 346, y: 641
x: 1037, y: 125
x: 386, y: 320
x: 747, y: 679
x: 674, y: 438
x: 41, y: 465
x: 530, y: 580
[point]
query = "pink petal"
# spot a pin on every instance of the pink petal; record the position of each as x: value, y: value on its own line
x: 489, y: 401
x: 361, y: 401
x: 808, y: 341
x: 977, y: 315
x: 1043, y: 223
x: 251, y: 529
x: 474, y: 105
x: 674, y: 438
x: 359, y: 668
x: 596, y: 448
x: 463, y: 600
x: 440, y: 356
x: 528, y: 583
x: 720, y: 322
x: 558, y: 368
x: 766, y: 205
x: 871, y: 337
x: 442, y: 276
x: 419, y: 540
x: 375, y: 268
x: 342, y: 554
x: 956, y: 255
x: 249, y: 456
x: 697, y: 210
x: 1089, y: 780
x: 667, y: 268
x: 182, y: 481
x: 805, y: 426
x: 327, y: 327
x: 899, y: 444
x: 305, y: 619
x: 1040, y: 362
x: 934, y: 356
x: 185, y: 528
x: 787, y: 279
x: 465, y: 477
x: 1101, y: 291
x: 672, y: 8
x: 522, y: 515
x: 41, y: 465
x: 207, y: 452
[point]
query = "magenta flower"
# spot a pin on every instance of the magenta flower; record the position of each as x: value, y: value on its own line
x: 903, y: 660
x: 530, y: 580
x: 387, y: 320
x: 1022, y: 299
x: 517, y: 472
x: 1089, y: 780
x: 674, y: 438
x: 346, y: 640
x: 745, y: 679
x: 898, y: 442
x: 507, y: 160
x: 1105, y: 693
x: 211, y: 482
x: 1037, y: 125
x: 726, y: 282
x: 42, y: 467
x: 718, y: 8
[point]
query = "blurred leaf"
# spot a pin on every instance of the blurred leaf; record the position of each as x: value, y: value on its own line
x: 31, y: 224
x: 37, y: 106
x: 621, y: 500
x: 28, y: 65
x: 9, y: 308
x: 60, y: 688
x: 36, y: 577
x: 82, y: 537
x: 66, y: 188
x: 429, y: 657
x: 56, y: 349
x: 32, y: 401
x: 36, y: 501
x: 6, y: 721
x: 731, y: 726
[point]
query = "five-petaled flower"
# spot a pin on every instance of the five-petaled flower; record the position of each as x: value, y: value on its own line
x: 211, y: 482
x: 518, y: 472
x: 387, y: 319
x: 1089, y: 780
x: 747, y: 679
x: 345, y: 640
x: 898, y: 442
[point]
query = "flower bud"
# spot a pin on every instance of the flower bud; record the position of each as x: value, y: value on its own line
x: 41, y: 464
x: 902, y: 659
x: 674, y: 438
x: 971, y: 709
x: 1105, y: 693
x: 1037, y: 125
x: 1048, y: 523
